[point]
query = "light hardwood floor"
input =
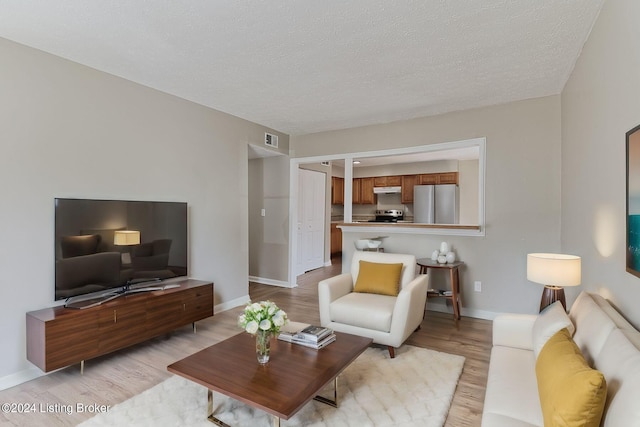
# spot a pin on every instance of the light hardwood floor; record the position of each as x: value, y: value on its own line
x: 53, y: 399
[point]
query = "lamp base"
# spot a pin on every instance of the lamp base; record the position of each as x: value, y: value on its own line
x: 551, y: 294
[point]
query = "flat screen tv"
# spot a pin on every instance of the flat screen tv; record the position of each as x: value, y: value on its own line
x: 102, y: 247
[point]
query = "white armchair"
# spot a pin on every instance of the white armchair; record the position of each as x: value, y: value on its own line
x: 388, y: 320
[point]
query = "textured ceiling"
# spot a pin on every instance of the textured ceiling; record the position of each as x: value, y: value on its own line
x: 307, y: 66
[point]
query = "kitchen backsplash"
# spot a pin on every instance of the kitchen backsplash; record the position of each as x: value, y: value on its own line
x: 368, y: 212
x: 389, y: 201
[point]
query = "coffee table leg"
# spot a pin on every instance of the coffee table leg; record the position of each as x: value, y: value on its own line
x: 216, y: 421
x: 330, y: 402
x: 210, y: 416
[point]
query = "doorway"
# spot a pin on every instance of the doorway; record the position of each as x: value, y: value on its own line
x: 311, y: 220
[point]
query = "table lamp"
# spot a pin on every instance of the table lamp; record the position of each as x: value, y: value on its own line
x: 554, y: 271
x: 126, y: 238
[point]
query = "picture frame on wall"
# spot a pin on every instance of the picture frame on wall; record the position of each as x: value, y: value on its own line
x: 633, y: 200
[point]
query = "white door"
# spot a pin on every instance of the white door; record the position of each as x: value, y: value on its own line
x: 311, y: 210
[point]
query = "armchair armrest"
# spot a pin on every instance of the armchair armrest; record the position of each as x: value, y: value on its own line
x: 409, y: 309
x: 330, y: 290
x: 514, y: 330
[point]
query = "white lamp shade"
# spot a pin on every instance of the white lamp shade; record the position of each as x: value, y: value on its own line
x: 126, y: 237
x: 554, y: 269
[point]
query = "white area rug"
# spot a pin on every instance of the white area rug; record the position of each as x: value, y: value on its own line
x: 414, y: 389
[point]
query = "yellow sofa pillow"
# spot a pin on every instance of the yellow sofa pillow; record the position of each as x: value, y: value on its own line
x: 571, y: 392
x: 377, y: 278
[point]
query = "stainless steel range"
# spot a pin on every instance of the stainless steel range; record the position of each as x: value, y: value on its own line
x: 388, y: 215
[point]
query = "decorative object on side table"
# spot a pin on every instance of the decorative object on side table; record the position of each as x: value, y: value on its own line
x: 554, y: 271
x: 444, y: 255
x: 451, y: 257
x: 264, y: 320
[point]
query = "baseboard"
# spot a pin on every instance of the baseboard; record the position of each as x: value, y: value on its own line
x: 479, y: 314
x: 231, y: 304
x: 467, y: 312
x: 272, y: 282
x: 20, y: 377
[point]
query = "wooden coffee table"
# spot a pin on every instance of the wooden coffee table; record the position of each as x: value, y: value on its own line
x: 293, y: 376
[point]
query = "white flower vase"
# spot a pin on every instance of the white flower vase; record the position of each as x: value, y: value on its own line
x: 442, y: 259
x: 434, y: 255
x: 444, y: 247
x: 263, y: 346
x: 451, y: 257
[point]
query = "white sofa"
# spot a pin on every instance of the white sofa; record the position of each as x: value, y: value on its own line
x: 607, y: 342
x: 388, y: 320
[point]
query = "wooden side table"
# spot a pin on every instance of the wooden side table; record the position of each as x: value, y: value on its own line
x: 426, y: 263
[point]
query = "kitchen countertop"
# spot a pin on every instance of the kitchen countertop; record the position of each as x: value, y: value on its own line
x: 409, y: 225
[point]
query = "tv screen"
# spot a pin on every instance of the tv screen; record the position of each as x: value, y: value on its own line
x: 103, y: 245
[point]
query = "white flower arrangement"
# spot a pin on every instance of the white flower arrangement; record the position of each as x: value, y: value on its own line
x: 264, y: 316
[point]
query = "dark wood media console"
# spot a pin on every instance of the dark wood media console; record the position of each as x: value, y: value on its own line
x: 59, y: 336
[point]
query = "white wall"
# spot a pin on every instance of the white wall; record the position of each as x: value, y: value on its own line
x: 600, y: 103
x: 71, y: 131
x: 269, y: 234
x: 522, y: 192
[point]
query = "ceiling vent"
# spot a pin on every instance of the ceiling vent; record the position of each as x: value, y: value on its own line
x: 271, y: 140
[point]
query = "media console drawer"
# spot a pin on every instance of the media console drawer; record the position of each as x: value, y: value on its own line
x: 59, y: 336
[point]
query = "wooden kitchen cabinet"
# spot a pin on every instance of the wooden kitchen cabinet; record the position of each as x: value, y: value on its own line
x: 408, y: 182
x: 367, y: 196
x: 439, y: 178
x: 363, y: 191
x: 380, y: 181
x: 356, y: 191
x: 336, y: 239
x: 394, y: 180
x: 428, y: 179
x: 337, y: 190
x: 387, y: 181
x: 448, y: 178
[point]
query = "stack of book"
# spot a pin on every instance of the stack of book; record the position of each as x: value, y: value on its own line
x: 290, y: 330
x: 440, y: 292
x: 307, y: 335
x: 314, y: 337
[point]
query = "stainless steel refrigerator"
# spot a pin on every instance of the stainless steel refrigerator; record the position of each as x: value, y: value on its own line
x: 436, y: 204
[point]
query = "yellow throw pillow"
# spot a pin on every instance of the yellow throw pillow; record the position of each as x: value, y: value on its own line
x: 376, y: 278
x: 571, y: 392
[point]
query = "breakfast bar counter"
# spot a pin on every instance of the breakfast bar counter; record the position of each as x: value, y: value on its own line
x: 410, y: 228
x: 401, y: 224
